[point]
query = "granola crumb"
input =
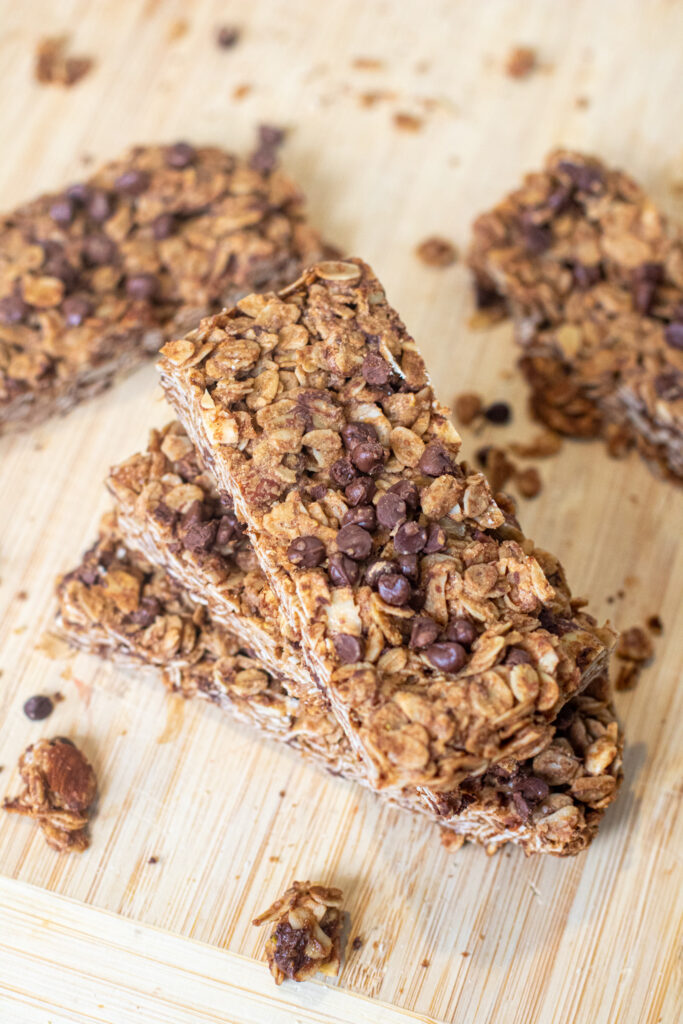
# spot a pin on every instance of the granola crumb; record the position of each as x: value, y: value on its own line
x: 282, y: 793
x: 635, y: 649
x: 468, y: 406
x: 357, y: 943
x: 465, y: 953
x: 153, y: 860
x: 407, y: 122
x: 22, y: 595
x: 425, y: 963
x: 375, y: 96
x: 528, y: 482
x: 655, y: 625
x: 367, y: 64
x: 53, y: 66
x: 521, y: 61
x: 306, y: 932
x: 228, y: 36
x: 240, y: 92
x: 437, y: 252
x: 542, y: 445
x: 177, y: 29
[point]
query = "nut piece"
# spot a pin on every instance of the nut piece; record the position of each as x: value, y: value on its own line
x: 306, y: 935
x: 59, y: 788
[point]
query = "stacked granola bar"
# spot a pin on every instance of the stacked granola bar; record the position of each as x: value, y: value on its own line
x: 307, y: 551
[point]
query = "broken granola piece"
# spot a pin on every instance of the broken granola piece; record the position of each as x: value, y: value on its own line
x: 468, y: 407
x: 306, y: 935
x: 592, y: 275
x: 314, y: 410
x: 59, y: 789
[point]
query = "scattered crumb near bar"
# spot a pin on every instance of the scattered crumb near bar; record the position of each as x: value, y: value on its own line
x: 274, y: 859
x: 227, y: 36
x: 241, y: 91
x: 357, y: 943
x: 153, y: 860
x: 177, y: 29
x: 468, y: 406
x: 655, y: 625
x: 54, y: 66
x: 437, y: 252
x: 407, y: 122
x: 634, y: 652
x: 282, y: 793
x: 465, y: 952
x: 582, y: 102
x: 21, y: 595
x: 520, y: 62
x: 425, y: 963
x: 374, y: 96
x: 367, y: 63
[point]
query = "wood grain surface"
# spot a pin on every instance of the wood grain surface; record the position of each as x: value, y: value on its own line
x: 451, y: 937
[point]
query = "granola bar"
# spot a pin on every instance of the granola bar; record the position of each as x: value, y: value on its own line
x: 434, y: 627
x: 592, y: 274
x: 117, y: 605
x: 92, y: 279
x: 306, y: 933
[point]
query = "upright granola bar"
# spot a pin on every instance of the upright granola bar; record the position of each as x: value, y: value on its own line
x: 92, y: 279
x: 117, y: 605
x: 593, y: 276
x: 426, y: 617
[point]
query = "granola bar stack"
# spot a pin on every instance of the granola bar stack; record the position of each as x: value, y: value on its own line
x: 307, y: 550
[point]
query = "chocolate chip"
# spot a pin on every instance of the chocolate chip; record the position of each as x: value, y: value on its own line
x: 354, y: 541
x: 368, y: 456
x: 343, y: 570
x: 355, y: 433
x: 585, y: 178
x: 517, y: 656
x: 142, y: 287
x: 227, y: 36
x: 409, y: 567
x: 436, y: 539
x: 498, y: 413
x: 486, y: 296
x: 13, y: 309
x: 586, y: 275
x: 410, y: 538
x: 673, y: 334
x: 98, y: 250
x: 394, y: 589
x: 146, y: 613
x: 379, y: 568
x: 408, y: 492
x: 181, y: 155
x: 133, y: 182
x: 448, y: 657
x: 80, y: 193
x: 375, y: 369
x: 349, y: 648
x: 57, y: 265
x: 362, y: 515
x: 228, y: 529
x: 100, y: 206
x: 39, y: 707
x: 391, y: 510
x: 343, y: 472
x: 435, y: 460
x: 644, y: 281
x: 62, y: 211
x: 318, y: 492
x: 163, y: 226
x: 533, y: 789
x: 76, y: 309
x: 306, y: 552
x: 264, y: 158
x: 560, y: 198
x: 461, y: 631
x: 536, y: 238
x: 201, y: 536
x: 361, y: 491
x: 424, y: 632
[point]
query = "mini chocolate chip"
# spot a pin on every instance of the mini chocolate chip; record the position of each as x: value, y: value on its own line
x: 100, y: 206
x: 227, y: 36
x: 498, y: 413
x: 391, y: 510
x: 57, y: 265
x: 76, y: 309
x: 521, y: 806
x: 585, y: 178
x: 379, y: 568
x: 435, y: 460
x: 394, y: 589
x: 517, y: 656
x: 410, y: 538
x: 360, y: 491
x: 408, y: 491
x: 362, y: 515
x: 343, y: 472
x: 349, y: 648
x: 375, y: 369
x: 409, y: 567
x: 448, y: 657
x: 353, y: 433
x: 142, y: 287
x: 62, y: 211
x: 424, y: 632
x: 306, y: 552
x: 343, y: 570
x: 417, y: 601
x: 486, y: 296
x: 228, y: 529
x: 163, y: 226
x: 133, y: 182
x: 39, y: 707
x: 436, y: 539
x: 536, y: 238
x: 354, y: 541
x: 80, y: 193
x: 13, y: 309
x: 586, y: 275
x: 180, y: 155
x: 146, y: 613
x: 673, y: 334
x: 461, y: 631
x: 533, y: 789
x: 98, y: 250
x: 201, y: 536
x: 368, y: 456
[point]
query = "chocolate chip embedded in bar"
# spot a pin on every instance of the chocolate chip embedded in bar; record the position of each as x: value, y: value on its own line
x: 276, y: 395
x: 117, y: 605
x: 94, y: 278
x: 593, y: 276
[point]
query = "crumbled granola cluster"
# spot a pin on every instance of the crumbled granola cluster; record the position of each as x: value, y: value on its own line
x: 443, y: 638
x: 306, y: 935
x: 59, y: 789
x: 593, y: 276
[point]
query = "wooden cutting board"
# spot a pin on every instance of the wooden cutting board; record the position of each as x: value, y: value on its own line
x: 108, y: 936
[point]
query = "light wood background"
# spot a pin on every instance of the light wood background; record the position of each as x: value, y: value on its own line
x: 506, y: 940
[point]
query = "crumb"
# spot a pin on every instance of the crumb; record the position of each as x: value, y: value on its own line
x: 425, y: 963
x: 468, y: 406
x: 283, y: 792
x: 241, y: 91
x: 582, y: 102
x: 274, y: 860
x: 520, y: 62
x: 451, y: 841
x: 367, y: 63
x: 227, y: 36
x: 437, y: 252
x: 655, y: 625
x: 407, y: 122
x: 295, y: 922
x: 528, y: 482
x: 357, y: 942
x: 58, y: 697
x: 498, y: 413
x: 497, y: 466
x: 19, y: 630
x: 52, y: 65
x: 153, y: 860
x: 375, y: 96
x: 465, y: 953
x: 21, y: 595
x: 176, y: 30
x: 541, y: 446
x: 635, y: 645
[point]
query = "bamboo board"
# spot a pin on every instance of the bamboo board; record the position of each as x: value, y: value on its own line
x: 507, y: 940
